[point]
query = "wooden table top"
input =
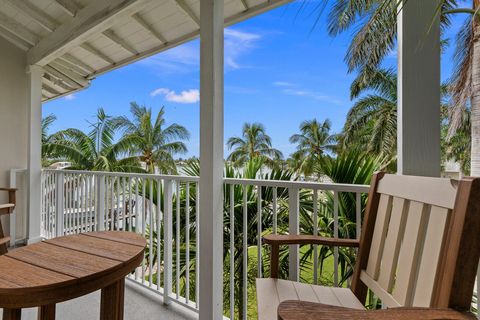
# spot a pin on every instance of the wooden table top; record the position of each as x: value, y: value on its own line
x: 67, y: 267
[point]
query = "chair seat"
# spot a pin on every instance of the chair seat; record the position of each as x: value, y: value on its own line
x: 271, y: 292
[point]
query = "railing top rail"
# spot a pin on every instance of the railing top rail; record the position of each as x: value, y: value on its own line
x: 339, y: 187
x: 130, y: 175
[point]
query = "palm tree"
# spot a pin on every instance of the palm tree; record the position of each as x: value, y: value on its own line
x: 466, y: 83
x: 254, y: 143
x: 154, y: 144
x: 313, y: 141
x: 372, y: 122
x: 95, y: 150
x: 47, y: 138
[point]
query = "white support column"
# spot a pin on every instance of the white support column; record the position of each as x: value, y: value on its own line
x: 34, y: 151
x: 419, y: 88
x: 211, y: 159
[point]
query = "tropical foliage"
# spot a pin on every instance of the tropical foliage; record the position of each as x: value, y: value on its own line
x: 153, y: 143
x: 95, y: 150
x: 254, y: 143
x: 371, y: 123
x: 313, y: 142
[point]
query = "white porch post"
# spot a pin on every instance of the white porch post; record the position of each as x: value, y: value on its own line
x: 34, y: 106
x: 211, y: 159
x: 419, y: 88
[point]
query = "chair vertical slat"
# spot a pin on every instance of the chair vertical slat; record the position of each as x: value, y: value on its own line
x: 430, y: 256
x: 409, y: 256
x: 393, y: 241
x: 358, y: 287
x: 378, y: 240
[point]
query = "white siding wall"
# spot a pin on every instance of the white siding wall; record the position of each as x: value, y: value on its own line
x: 13, y: 120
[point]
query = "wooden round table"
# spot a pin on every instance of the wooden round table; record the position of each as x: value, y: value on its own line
x: 64, y: 268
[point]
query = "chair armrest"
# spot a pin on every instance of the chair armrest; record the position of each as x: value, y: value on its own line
x: 11, y: 200
x: 302, y: 310
x: 276, y: 239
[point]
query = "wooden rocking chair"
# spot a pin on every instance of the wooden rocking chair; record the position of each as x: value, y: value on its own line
x: 6, y: 208
x: 419, y: 247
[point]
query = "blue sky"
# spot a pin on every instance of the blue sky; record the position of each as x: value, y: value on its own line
x: 278, y: 71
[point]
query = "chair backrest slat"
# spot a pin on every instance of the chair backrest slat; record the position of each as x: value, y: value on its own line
x: 390, y: 255
x: 432, y: 246
x: 378, y: 240
x: 410, y: 252
x: 409, y: 242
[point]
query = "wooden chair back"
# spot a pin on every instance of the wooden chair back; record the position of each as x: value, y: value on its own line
x: 420, y: 242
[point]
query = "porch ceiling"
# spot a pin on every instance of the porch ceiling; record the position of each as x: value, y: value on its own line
x: 76, y: 40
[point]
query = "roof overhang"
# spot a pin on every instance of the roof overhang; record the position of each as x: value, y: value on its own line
x: 75, y: 41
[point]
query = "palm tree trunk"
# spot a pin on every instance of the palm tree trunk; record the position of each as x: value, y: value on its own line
x: 475, y: 99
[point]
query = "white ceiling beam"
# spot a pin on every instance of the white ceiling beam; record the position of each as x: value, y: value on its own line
x: 60, y: 76
x: 69, y: 66
x: 12, y: 38
x: 79, y: 63
x: 94, y: 18
x: 245, y: 4
x: 68, y: 73
x: 56, y: 84
x: 88, y: 47
x: 144, y: 24
x: 17, y: 29
x: 35, y: 14
x: 68, y: 6
x: 49, y: 89
x: 184, y: 6
x: 110, y: 34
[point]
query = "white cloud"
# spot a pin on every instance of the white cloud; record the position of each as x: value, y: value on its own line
x: 186, y: 58
x: 283, y: 84
x: 70, y: 97
x: 186, y: 96
x: 237, y: 44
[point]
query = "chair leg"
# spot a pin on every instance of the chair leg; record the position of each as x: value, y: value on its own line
x: 46, y: 312
x: 112, y: 301
x: 3, y: 247
x: 12, y: 314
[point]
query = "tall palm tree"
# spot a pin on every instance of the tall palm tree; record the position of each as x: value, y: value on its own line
x: 47, y: 138
x: 372, y: 121
x: 254, y: 143
x: 95, y: 150
x: 154, y: 144
x: 466, y: 82
x: 313, y: 141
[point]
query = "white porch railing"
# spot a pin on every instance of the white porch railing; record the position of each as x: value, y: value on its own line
x: 164, y: 209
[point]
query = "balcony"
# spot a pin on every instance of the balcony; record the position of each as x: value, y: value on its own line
x: 165, y: 210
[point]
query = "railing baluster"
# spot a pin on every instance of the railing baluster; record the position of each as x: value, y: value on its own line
x: 259, y: 231
x: 335, y: 235
x: 144, y: 221
x: 137, y: 229
x: 245, y: 253
x: 151, y: 229
x: 293, y: 228
x: 275, y: 210
x: 177, y: 243
x: 124, y: 206
x: 158, y: 231
x: 187, y: 243
x: 315, y: 233
x: 60, y: 204
x: 358, y: 214
x: 197, y: 244
x: 130, y: 209
x: 167, y: 240
x: 232, y: 252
